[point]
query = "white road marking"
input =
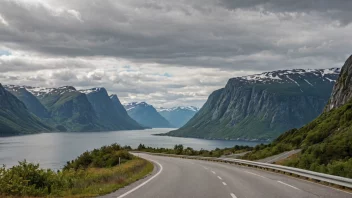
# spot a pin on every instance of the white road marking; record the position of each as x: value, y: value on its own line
x: 255, y: 174
x: 287, y: 185
x: 233, y: 195
x: 219, y: 177
x: 224, y: 183
x: 213, y: 172
x: 144, y: 183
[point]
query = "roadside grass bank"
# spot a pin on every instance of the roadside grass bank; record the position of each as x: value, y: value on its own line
x: 180, y: 150
x: 326, y: 144
x: 92, y: 174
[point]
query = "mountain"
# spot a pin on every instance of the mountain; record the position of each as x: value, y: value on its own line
x: 146, y: 115
x: 108, y: 110
x: 262, y: 106
x: 69, y: 109
x: 123, y: 113
x: 178, y: 116
x: 15, y: 119
x: 326, y: 142
x: 342, y: 92
x: 32, y: 103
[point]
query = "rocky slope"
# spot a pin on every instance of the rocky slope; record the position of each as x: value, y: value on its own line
x: 342, y: 91
x: 146, y: 115
x: 108, y: 110
x: 262, y: 106
x: 326, y: 142
x: 178, y: 116
x: 15, y: 119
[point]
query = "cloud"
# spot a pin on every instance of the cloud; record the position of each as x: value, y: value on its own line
x: 167, y: 52
x: 336, y: 10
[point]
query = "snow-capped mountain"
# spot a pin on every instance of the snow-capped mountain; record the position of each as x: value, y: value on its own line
x: 289, y: 76
x: 262, y: 106
x: 178, y: 116
x: 68, y: 109
x: 146, y: 115
x: 15, y: 118
x: 189, y: 108
x: 41, y: 92
x: 32, y: 102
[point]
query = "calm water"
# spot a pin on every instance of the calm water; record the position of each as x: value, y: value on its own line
x: 53, y: 150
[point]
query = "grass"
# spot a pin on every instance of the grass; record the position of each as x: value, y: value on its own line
x: 326, y: 144
x: 92, y: 174
x: 101, y: 181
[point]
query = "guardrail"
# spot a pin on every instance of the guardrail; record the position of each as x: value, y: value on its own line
x: 341, y: 182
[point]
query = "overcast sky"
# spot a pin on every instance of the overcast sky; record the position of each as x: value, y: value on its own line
x: 166, y: 52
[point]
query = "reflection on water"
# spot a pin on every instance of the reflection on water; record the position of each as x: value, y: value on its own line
x: 52, y: 150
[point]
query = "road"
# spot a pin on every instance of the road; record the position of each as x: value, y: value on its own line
x: 186, y: 178
x: 279, y: 157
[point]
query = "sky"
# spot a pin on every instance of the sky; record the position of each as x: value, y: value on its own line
x: 167, y: 53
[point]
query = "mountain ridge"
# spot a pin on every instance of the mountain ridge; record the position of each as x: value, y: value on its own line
x: 326, y: 142
x: 15, y: 119
x: 178, y: 116
x: 262, y: 106
x: 146, y: 115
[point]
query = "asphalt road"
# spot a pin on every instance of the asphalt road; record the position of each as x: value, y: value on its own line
x: 185, y: 178
x: 279, y: 157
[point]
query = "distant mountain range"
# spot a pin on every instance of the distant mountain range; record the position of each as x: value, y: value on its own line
x: 262, y: 106
x: 146, y: 115
x: 178, y: 116
x: 68, y: 109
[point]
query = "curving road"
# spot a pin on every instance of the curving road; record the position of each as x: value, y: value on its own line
x: 185, y: 178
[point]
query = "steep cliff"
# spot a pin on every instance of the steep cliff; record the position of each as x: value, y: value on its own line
x: 15, y: 119
x: 127, y: 120
x: 262, y: 106
x: 342, y: 91
x: 107, y: 112
x: 326, y: 142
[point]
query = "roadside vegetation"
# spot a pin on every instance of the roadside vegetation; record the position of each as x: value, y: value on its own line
x: 180, y: 150
x: 93, y: 173
x: 326, y: 144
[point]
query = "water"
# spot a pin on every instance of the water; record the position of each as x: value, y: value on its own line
x: 53, y: 150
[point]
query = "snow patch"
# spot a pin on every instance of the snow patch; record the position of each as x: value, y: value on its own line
x: 293, y: 81
x: 308, y: 82
x: 189, y: 108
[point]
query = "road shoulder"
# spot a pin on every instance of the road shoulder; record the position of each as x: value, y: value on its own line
x: 128, y: 188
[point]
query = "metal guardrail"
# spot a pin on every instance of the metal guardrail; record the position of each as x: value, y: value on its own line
x: 326, y: 179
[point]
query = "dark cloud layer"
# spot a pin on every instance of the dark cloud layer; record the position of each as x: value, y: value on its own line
x: 336, y: 9
x: 90, y: 42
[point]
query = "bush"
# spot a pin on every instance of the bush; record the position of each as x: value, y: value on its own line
x: 27, y: 179
x: 91, y: 174
x: 106, y: 156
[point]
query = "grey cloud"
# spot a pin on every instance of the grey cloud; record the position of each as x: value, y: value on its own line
x: 87, y: 43
x: 193, y: 33
x: 336, y: 9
